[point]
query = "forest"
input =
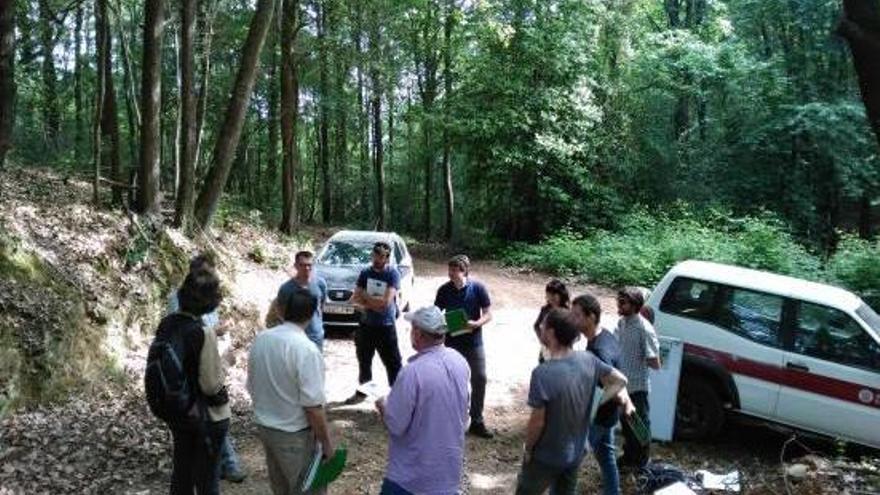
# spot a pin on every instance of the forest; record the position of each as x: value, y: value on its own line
x: 477, y: 122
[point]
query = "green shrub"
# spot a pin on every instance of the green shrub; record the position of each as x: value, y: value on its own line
x: 855, y: 266
x: 645, y: 246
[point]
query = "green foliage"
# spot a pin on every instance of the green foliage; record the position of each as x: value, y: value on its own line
x: 645, y: 246
x: 855, y: 267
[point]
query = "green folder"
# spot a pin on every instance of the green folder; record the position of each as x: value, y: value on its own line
x: 456, y: 322
x: 320, y: 473
x: 638, y: 427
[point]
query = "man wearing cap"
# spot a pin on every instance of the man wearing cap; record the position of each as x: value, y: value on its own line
x: 426, y: 413
x: 376, y: 292
x: 639, y: 350
x: 471, y: 296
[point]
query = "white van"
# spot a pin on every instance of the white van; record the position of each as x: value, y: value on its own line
x: 786, y: 350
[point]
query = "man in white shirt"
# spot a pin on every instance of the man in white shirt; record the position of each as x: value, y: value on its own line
x: 286, y: 383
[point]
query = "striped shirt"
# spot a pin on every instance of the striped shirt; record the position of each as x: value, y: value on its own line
x: 638, y: 343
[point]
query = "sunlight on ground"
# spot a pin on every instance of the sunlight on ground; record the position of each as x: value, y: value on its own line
x: 491, y: 481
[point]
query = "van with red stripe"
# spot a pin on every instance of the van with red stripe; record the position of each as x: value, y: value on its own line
x: 798, y: 353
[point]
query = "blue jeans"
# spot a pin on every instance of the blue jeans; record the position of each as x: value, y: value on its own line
x: 391, y: 488
x: 602, y: 443
x: 229, y: 462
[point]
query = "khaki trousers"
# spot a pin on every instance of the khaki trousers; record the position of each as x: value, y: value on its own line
x: 287, y: 458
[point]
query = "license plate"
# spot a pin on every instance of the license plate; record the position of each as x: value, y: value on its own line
x: 339, y: 310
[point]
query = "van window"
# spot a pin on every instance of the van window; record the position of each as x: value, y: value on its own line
x: 830, y: 334
x: 689, y: 298
x: 754, y: 315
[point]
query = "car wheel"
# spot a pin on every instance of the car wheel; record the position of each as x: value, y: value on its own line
x: 700, y: 412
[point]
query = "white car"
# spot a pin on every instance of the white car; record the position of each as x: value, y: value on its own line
x: 782, y: 349
x: 341, y: 260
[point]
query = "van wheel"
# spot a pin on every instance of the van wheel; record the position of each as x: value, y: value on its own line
x: 700, y: 412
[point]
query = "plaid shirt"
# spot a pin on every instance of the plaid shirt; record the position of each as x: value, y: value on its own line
x: 638, y: 343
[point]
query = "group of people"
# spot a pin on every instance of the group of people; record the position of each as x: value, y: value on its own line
x: 434, y: 400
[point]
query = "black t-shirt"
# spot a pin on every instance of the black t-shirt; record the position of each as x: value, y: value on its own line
x: 607, y: 349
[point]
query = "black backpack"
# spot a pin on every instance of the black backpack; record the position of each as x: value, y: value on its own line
x: 172, y: 390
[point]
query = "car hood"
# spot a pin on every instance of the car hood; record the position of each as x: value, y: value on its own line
x: 339, y: 277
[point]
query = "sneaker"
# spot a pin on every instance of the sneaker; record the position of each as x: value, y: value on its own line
x: 357, y: 398
x: 235, y: 475
x: 480, y: 430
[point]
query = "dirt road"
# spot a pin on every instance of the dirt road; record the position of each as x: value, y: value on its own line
x: 511, y: 348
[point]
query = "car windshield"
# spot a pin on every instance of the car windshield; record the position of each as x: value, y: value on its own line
x: 870, y: 317
x: 346, y: 253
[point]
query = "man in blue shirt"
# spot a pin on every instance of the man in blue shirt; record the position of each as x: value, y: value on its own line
x: 303, y: 262
x: 376, y: 292
x: 472, y: 297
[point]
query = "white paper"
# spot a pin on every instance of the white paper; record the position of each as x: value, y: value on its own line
x: 728, y: 482
x: 376, y: 288
x: 677, y: 488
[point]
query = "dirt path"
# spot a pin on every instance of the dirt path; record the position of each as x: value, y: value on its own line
x: 511, y: 351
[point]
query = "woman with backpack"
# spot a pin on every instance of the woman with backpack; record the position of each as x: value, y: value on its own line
x: 184, y: 385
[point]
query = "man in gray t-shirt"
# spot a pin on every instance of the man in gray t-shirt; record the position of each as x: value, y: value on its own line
x: 303, y: 279
x: 561, y: 399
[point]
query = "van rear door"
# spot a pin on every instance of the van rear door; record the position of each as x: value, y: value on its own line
x: 831, y: 383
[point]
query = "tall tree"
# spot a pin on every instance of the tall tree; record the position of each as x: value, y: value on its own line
x: 273, y: 77
x: 78, y: 80
x: 7, y: 77
x: 227, y: 139
x: 324, y: 110
x: 376, y: 112
x: 448, y: 194
x: 363, y: 139
x: 51, y: 112
x: 427, y: 53
x: 289, y: 114
x: 151, y: 108
x: 132, y: 108
x: 109, y: 119
x: 207, y: 30
x: 187, y: 151
x: 860, y: 25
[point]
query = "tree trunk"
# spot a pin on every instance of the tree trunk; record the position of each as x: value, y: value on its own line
x: 363, y: 140
x: 109, y: 118
x: 448, y: 194
x: 376, y: 109
x: 186, y: 153
x: 340, y: 144
x: 202, y: 105
x: 151, y: 107
x: 273, y: 78
x: 866, y: 223
x: 132, y: 107
x: 100, y: 86
x: 324, y: 112
x: 289, y: 115
x: 227, y: 139
x: 7, y: 78
x: 77, y: 83
x: 51, y: 113
x: 860, y: 26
